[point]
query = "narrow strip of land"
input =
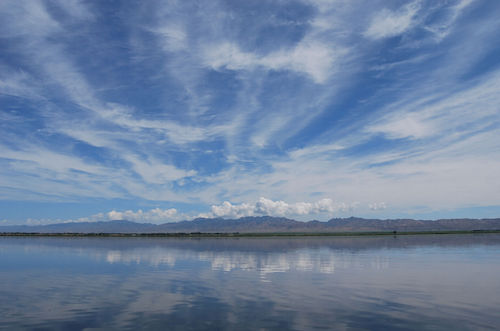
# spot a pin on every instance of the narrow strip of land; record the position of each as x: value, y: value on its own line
x: 240, y: 235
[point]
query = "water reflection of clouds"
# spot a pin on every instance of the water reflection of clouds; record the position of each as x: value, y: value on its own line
x: 154, y: 257
x: 302, y: 260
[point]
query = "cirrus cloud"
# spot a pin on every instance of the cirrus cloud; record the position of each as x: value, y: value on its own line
x: 387, y: 23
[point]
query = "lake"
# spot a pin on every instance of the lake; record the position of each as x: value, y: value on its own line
x: 424, y: 282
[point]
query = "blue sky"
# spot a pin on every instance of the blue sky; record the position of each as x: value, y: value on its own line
x: 160, y: 111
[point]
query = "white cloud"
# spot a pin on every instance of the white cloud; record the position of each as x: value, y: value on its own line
x: 36, y: 21
x: 387, y: 23
x: 20, y: 84
x: 443, y: 28
x: 316, y: 150
x: 466, y: 110
x: 155, y: 215
x: 51, y: 175
x: 156, y: 172
x: 277, y: 208
x: 405, y: 126
x: 54, y: 61
x: 75, y: 8
x: 311, y: 57
x: 377, y: 206
x: 46, y: 159
x: 173, y: 36
x: 228, y: 209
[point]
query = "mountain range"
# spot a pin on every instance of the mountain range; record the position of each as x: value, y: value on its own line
x: 262, y: 224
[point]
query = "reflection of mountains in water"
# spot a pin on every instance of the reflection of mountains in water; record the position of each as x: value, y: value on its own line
x: 264, y: 224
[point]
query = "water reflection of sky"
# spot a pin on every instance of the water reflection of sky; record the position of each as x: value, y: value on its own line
x: 421, y: 282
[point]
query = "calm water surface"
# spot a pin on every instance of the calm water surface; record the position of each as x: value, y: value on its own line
x: 431, y: 282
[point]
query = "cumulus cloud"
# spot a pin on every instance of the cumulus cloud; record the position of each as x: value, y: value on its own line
x: 226, y: 209
x: 155, y: 215
x: 387, y: 23
x: 277, y: 208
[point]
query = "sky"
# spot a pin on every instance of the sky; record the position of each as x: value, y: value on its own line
x: 161, y: 111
